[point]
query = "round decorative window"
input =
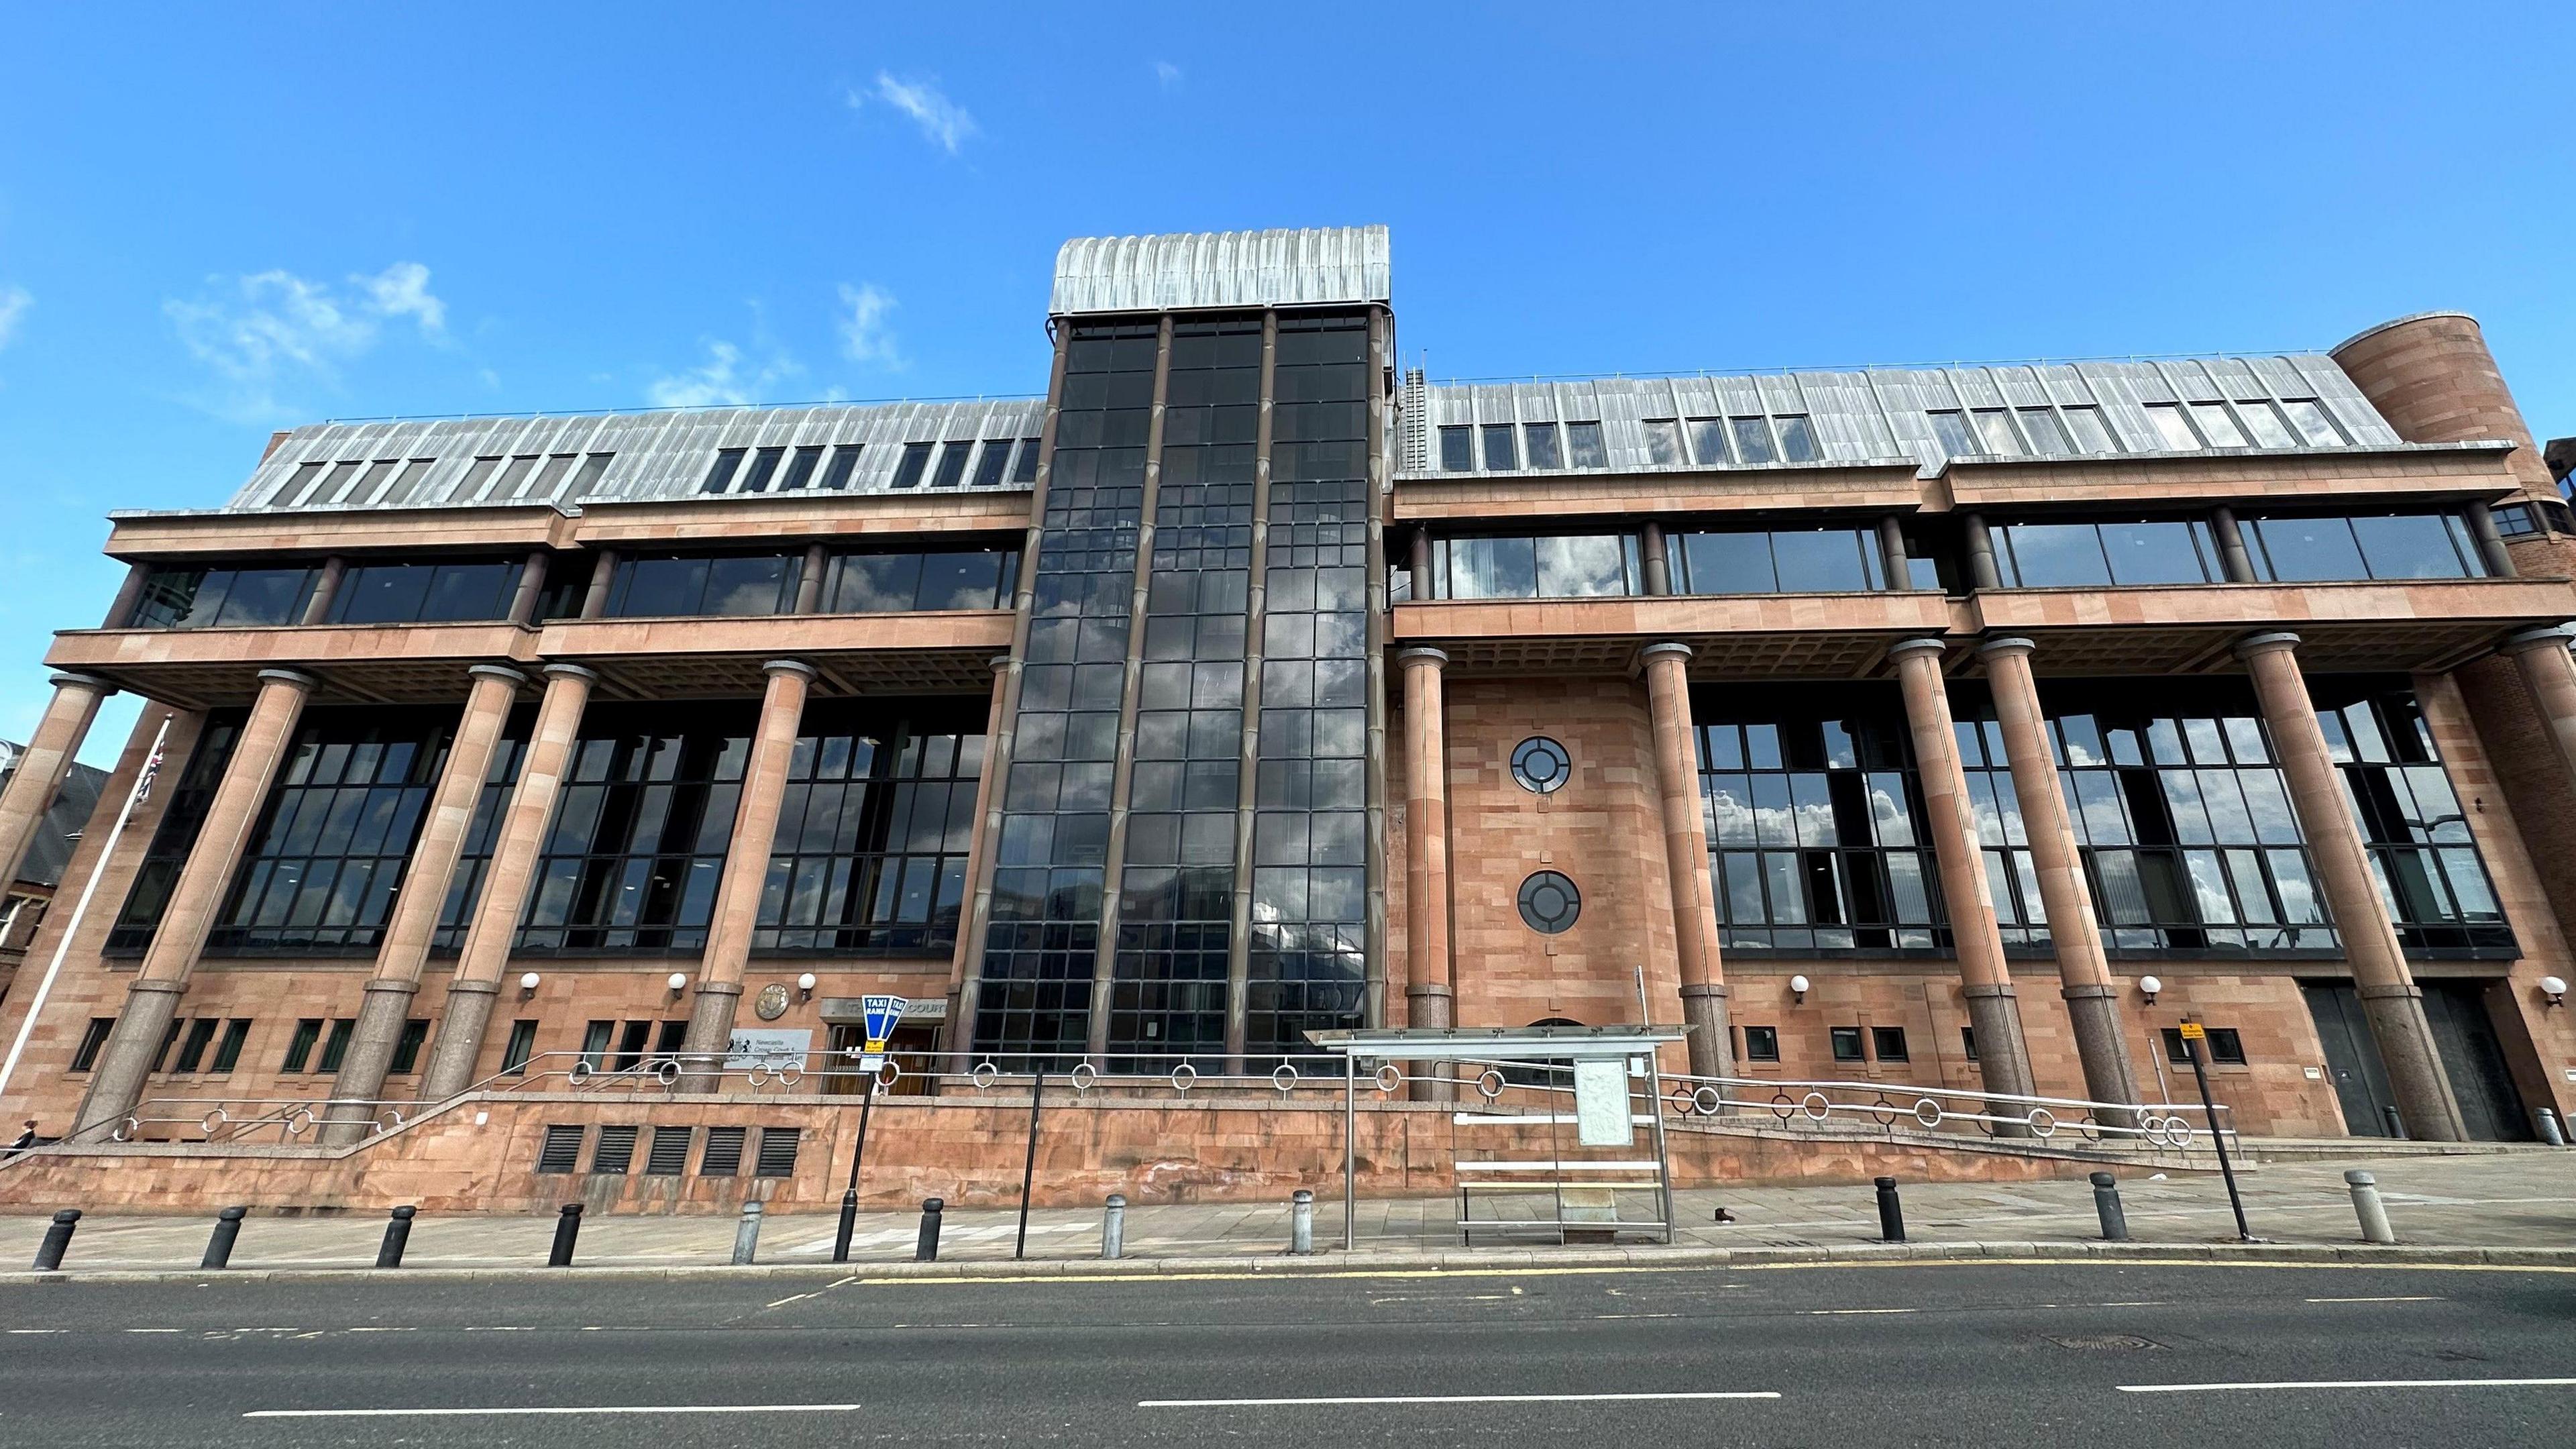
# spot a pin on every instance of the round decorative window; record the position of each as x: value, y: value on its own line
x: 1549, y: 902
x: 1541, y: 765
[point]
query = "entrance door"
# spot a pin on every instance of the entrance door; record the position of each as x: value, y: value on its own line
x: 2352, y: 1056
x: 2473, y: 1058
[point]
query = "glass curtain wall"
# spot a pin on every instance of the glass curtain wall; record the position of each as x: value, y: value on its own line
x: 1310, y: 869
x: 2430, y: 875
x: 1043, y: 940
x: 870, y: 855
x: 631, y: 859
x: 1176, y: 885
x: 1815, y: 812
x: 338, y: 827
x: 191, y: 794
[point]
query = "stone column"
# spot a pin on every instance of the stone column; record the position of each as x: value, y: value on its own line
x: 2389, y: 995
x: 152, y: 998
x: 1654, y: 550
x: 506, y: 882
x: 746, y: 872
x: 2003, y: 1057
x: 326, y: 591
x: 1703, y: 976
x: 2083, y: 968
x: 1982, y: 572
x: 2232, y: 555
x: 48, y: 759
x: 1891, y: 551
x: 2550, y: 675
x: 2491, y: 549
x: 809, y: 579
x: 603, y: 573
x: 418, y: 904
x: 531, y: 589
x: 1430, y: 986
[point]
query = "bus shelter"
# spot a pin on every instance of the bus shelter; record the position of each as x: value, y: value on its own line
x: 1609, y: 1065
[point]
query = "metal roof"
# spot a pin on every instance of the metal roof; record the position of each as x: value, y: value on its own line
x: 1184, y: 271
x: 1883, y: 415
x: 599, y: 457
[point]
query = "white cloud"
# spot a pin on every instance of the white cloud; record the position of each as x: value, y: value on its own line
x: 723, y: 380
x: 942, y: 120
x: 402, y: 290
x: 267, y: 326
x: 14, y: 302
x: 1167, y: 74
x: 864, y: 334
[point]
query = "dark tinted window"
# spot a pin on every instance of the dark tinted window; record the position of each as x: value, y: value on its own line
x: 425, y: 592
x: 893, y: 583
x: 202, y: 598
x: 2369, y: 546
x: 2076, y: 555
x: 915, y: 462
x: 1762, y: 1043
x: 952, y: 465
x: 648, y: 588
x: 1457, y: 450
x: 1815, y: 560
x: 1583, y: 443
x: 800, y: 469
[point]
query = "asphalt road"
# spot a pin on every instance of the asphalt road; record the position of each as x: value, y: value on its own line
x: 1984, y: 1354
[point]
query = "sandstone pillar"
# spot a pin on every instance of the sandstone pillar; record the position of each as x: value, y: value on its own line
x: 2003, y: 1057
x: 2389, y: 995
x: 418, y: 904
x: 2550, y: 675
x: 506, y: 882
x: 48, y: 759
x: 2083, y: 968
x: 746, y: 873
x: 1430, y: 987
x: 152, y: 998
x: 1703, y: 976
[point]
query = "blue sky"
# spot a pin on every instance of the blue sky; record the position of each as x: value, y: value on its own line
x: 218, y: 221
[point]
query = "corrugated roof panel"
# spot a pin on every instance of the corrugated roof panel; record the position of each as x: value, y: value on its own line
x: 1280, y: 268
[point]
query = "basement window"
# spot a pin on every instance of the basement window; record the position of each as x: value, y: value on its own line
x: 777, y: 1152
x: 615, y: 1152
x: 562, y: 1151
x: 724, y: 1152
x: 670, y: 1152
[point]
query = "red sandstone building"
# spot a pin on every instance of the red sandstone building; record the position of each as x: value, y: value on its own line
x: 1898, y: 725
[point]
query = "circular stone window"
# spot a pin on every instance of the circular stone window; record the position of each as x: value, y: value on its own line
x: 1541, y: 765
x: 1549, y: 903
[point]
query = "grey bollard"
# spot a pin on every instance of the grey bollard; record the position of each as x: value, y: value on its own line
x: 1891, y: 1213
x: 926, y: 1250
x: 2106, y: 1202
x: 1301, y: 1223
x: 397, y: 1236
x: 219, y: 1245
x: 2367, y: 1206
x: 746, y: 1235
x: 1113, y: 1226
x: 567, y: 1232
x: 49, y: 1253
x: 2549, y: 1131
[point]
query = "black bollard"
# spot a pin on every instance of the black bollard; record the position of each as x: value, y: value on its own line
x: 2396, y: 1124
x: 567, y: 1228
x: 219, y: 1247
x: 849, y: 1225
x: 2106, y: 1201
x: 927, y: 1250
x: 397, y: 1237
x: 1891, y: 1214
x: 49, y: 1253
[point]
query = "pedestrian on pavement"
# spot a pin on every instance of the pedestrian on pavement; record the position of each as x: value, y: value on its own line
x: 25, y: 1140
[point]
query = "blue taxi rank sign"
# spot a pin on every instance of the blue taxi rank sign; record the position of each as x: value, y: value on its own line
x: 877, y: 1015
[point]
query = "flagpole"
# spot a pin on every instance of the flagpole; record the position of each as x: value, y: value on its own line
x: 63, y: 942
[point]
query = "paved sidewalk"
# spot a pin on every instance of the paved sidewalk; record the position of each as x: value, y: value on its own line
x: 2500, y: 1200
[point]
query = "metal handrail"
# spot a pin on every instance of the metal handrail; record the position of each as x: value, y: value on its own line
x: 1993, y: 1113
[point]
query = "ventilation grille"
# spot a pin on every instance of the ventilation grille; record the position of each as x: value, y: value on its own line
x: 562, y: 1150
x: 670, y: 1154
x: 724, y: 1152
x: 616, y: 1150
x: 777, y: 1152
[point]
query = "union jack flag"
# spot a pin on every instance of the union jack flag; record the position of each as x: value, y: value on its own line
x: 151, y: 771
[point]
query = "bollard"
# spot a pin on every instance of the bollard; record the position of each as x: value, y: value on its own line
x: 2367, y: 1206
x: 2106, y: 1201
x: 1113, y: 1227
x: 219, y: 1246
x: 397, y: 1236
x: 1891, y: 1213
x: 49, y: 1253
x: 746, y: 1235
x: 1301, y: 1223
x: 567, y: 1230
x: 927, y: 1250
x: 2549, y: 1131
x: 849, y: 1223
x: 2396, y: 1124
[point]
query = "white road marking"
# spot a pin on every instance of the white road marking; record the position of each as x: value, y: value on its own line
x: 522, y: 1409
x: 2409, y: 1298
x: 151, y: 1330
x: 2350, y: 1384
x: 1444, y: 1399
x: 40, y: 1330
x: 1864, y: 1312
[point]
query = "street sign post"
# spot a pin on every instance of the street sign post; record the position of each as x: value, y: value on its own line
x: 2193, y: 1034
x: 878, y: 1016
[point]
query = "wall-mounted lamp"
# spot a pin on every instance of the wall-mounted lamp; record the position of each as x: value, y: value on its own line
x: 2555, y: 988
x: 1799, y: 985
x: 805, y: 987
x: 678, y: 982
x: 2148, y: 986
x: 528, y: 985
